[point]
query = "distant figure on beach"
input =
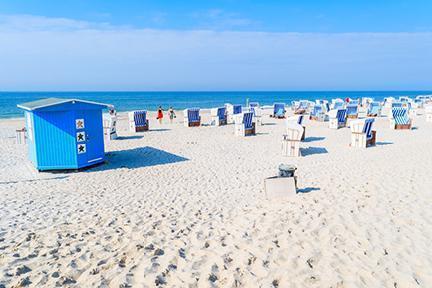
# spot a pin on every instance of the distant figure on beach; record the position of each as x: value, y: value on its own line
x: 171, y: 114
x: 159, y: 114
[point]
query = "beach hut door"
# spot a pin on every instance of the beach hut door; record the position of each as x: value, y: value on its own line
x: 89, y: 139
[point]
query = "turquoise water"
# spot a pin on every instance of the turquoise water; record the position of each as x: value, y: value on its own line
x: 126, y: 101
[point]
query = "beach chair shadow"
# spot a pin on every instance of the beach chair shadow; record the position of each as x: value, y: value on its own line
x: 313, y: 139
x: 159, y: 130
x: 128, y: 137
x: 383, y: 143
x: 307, y: 190
x: 313, y: 150
x: 139, y: 157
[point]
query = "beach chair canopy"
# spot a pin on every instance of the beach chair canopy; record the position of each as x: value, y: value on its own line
x: 193, y: 115
x: 140, y: 118
x: 253, y: 104
x: 400, y: 115
x: 353, y: 102
x: 247, y: 120
x: 221, y: 113
x: 352, y: 109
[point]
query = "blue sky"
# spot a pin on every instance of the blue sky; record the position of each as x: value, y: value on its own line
x: 215, y: 45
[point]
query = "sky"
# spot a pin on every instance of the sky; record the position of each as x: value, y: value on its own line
x: 173, y: 45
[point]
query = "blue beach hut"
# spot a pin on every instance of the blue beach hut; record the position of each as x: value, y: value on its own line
x: 64, y: 133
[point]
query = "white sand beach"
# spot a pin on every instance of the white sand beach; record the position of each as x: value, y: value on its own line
x: 185, y: 207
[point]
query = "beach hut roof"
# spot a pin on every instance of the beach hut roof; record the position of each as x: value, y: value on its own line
x: 38, y: 104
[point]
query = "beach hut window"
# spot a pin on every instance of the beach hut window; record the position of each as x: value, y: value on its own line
x: 79, y: 123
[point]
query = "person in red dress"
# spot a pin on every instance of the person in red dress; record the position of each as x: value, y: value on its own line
x: 159, y: 114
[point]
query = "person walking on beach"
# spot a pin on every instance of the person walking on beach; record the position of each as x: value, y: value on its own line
x: 159, y: 114
x: 171, y: 114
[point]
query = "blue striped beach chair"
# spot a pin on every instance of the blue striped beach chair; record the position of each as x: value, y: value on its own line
x: 191, y: 117
x: 317, y: 113
x: 337, y: 118
x: 218, y: 116
x: 362, y: 134
x: 279, y: 110
x: 138, y: 121
x: 374, y: 109
x: 352, y: 111
x: 245, y: 127
x: 400, y: 119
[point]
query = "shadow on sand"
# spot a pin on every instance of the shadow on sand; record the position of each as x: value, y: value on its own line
x: 313, y: 139
x: 128, y: 137
x: 383, y: 143
x: 138, y: 157
x: 313, y: 150
x: 307, y: 190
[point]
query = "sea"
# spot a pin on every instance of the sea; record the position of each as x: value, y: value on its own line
x: 128, y: 101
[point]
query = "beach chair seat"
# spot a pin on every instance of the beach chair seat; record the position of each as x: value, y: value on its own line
x: 218, y: 116
x: 337, y: 118
x: 244, y: 126
x: 400, y: 119
x: 291, y: 140
x: 362, y: 134
x: 191, y: 117
x: 302, y: 107
x: 138, y: 121
x: 352, y: 111
x: 279, y: 110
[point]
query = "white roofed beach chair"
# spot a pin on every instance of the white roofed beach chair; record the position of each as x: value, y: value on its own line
x: 191, y: 117
x: 362, y: 134
x: 244, y: 125
x: 138, y: 121
x: 297, y: 119
x: 337, y: 118
x: 400, y: 118
x: 110, y: 126
x: 218, y: 116
x: 291, y: 140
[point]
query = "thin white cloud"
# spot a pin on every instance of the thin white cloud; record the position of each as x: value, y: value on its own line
x: 65, y: 54
x: 218, y: 19
x: 42, y: 23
